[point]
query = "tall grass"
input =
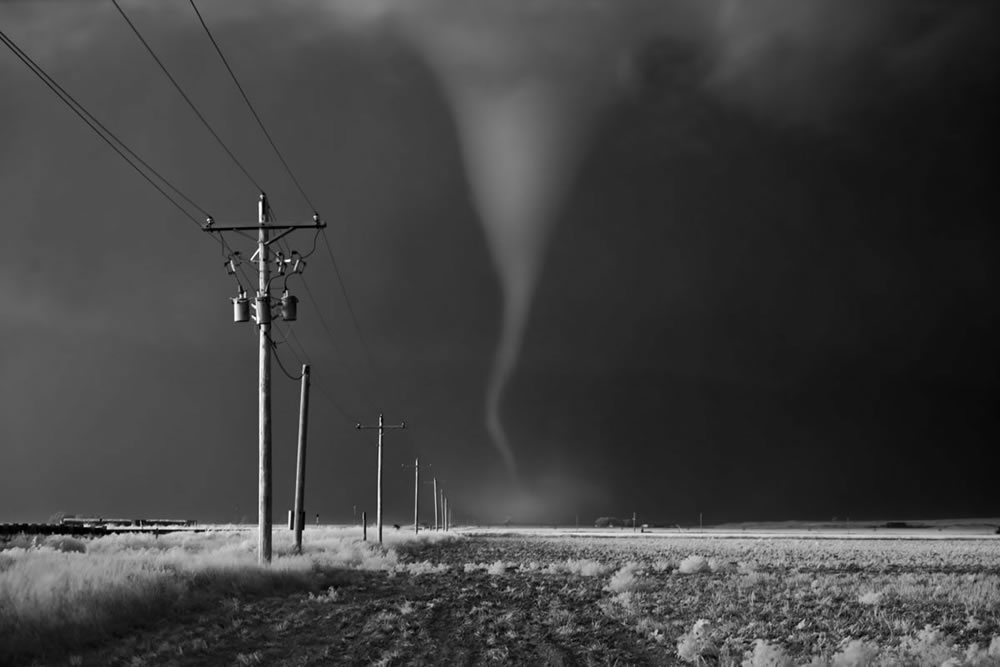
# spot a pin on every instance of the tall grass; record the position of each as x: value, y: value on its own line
x: 57, y: 594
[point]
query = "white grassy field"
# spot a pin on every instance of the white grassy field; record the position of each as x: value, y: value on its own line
x: 761, y: 595
x: 60, y: 592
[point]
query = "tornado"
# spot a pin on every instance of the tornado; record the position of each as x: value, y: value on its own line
x: 525, y: 88
x: 520, y: 141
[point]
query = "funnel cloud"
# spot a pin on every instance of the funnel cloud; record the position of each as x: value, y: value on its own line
x: 521, y: 136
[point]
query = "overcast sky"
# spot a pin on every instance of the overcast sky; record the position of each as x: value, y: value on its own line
x: 668, y: 257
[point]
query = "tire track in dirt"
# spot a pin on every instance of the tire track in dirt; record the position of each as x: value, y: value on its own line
x: 454, y: 618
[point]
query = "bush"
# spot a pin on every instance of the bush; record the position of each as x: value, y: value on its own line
x: 609, y: 522
x: 697, y: 646
x: 693, y: 564
x: 625, y: 579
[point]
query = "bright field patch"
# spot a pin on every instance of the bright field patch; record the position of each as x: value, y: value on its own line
x: 532, y: 599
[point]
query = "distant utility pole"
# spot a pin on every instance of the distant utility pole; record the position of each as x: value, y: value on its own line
x: 416, y: 492
x: 440, y: 499
x: 434, y: 483
x: 300, y: 460
x: 263, y: 319
x: 444, y: 511
x: 378, y: 499
x: 435, y: 503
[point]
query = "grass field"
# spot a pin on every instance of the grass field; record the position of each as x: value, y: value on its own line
x: 506, y: 597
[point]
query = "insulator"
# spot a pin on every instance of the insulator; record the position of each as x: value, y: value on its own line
x: 289, y: 307
x: 241, y: 308
x: 263, y: 310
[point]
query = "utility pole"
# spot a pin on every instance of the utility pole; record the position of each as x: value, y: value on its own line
x: 300, y: 460
x: 435, y: 503
x: 416, y: 493
x: 445, y: 512
x: 263, y: 320
x: 378, y: 498
x: 441, y: 496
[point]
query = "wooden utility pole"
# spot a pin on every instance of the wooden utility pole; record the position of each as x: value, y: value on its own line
x: 264, y: 388
x: 444, y: 511
x: 378, y: 497
x: 300, y: 460
x: 416, y: 493
x: 435, y: 503
x: 263, y: 320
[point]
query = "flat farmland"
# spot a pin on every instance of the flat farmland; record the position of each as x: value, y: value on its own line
x: 551, y: 597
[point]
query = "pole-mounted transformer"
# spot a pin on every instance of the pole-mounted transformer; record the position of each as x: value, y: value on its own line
x: 289, y: 306
x: 241, y: 307
x: 263, y: 308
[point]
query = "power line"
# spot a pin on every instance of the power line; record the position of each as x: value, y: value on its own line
x: 186, y: 98
x: 110, y: 138
x: 302, y: 358
x: 336, y: 346
x: 103, y: 132
x: 350, y: 420
x: 285, y: 338
x: 350, y: 310
x: 250, y: 106
x: 277, y: 357
x: 295, y: 337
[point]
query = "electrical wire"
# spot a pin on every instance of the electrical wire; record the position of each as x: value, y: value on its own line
x: 319, y: 387
x: 277, y: 357
x: 111, y: 139
x: 350, y: 309
x: 315, y: 238
x: 250, y: 106
x: 336, y: 406
x: 336, y: 346
x: 285, y: 334
x: 185, y: 96
x: 101, y: 130
x: 294, y: 336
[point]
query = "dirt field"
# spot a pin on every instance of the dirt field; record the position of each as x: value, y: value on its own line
x: 533, y: 599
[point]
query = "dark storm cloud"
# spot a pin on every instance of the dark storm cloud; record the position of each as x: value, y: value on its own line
x: 739, y: 239
x: 527, y: 79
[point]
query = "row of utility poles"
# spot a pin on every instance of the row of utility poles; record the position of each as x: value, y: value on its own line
x: 269, y: 232
x: 446, y: 516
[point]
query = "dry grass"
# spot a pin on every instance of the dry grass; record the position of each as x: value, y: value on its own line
x: 508, y: 600
x: 58, y: 594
